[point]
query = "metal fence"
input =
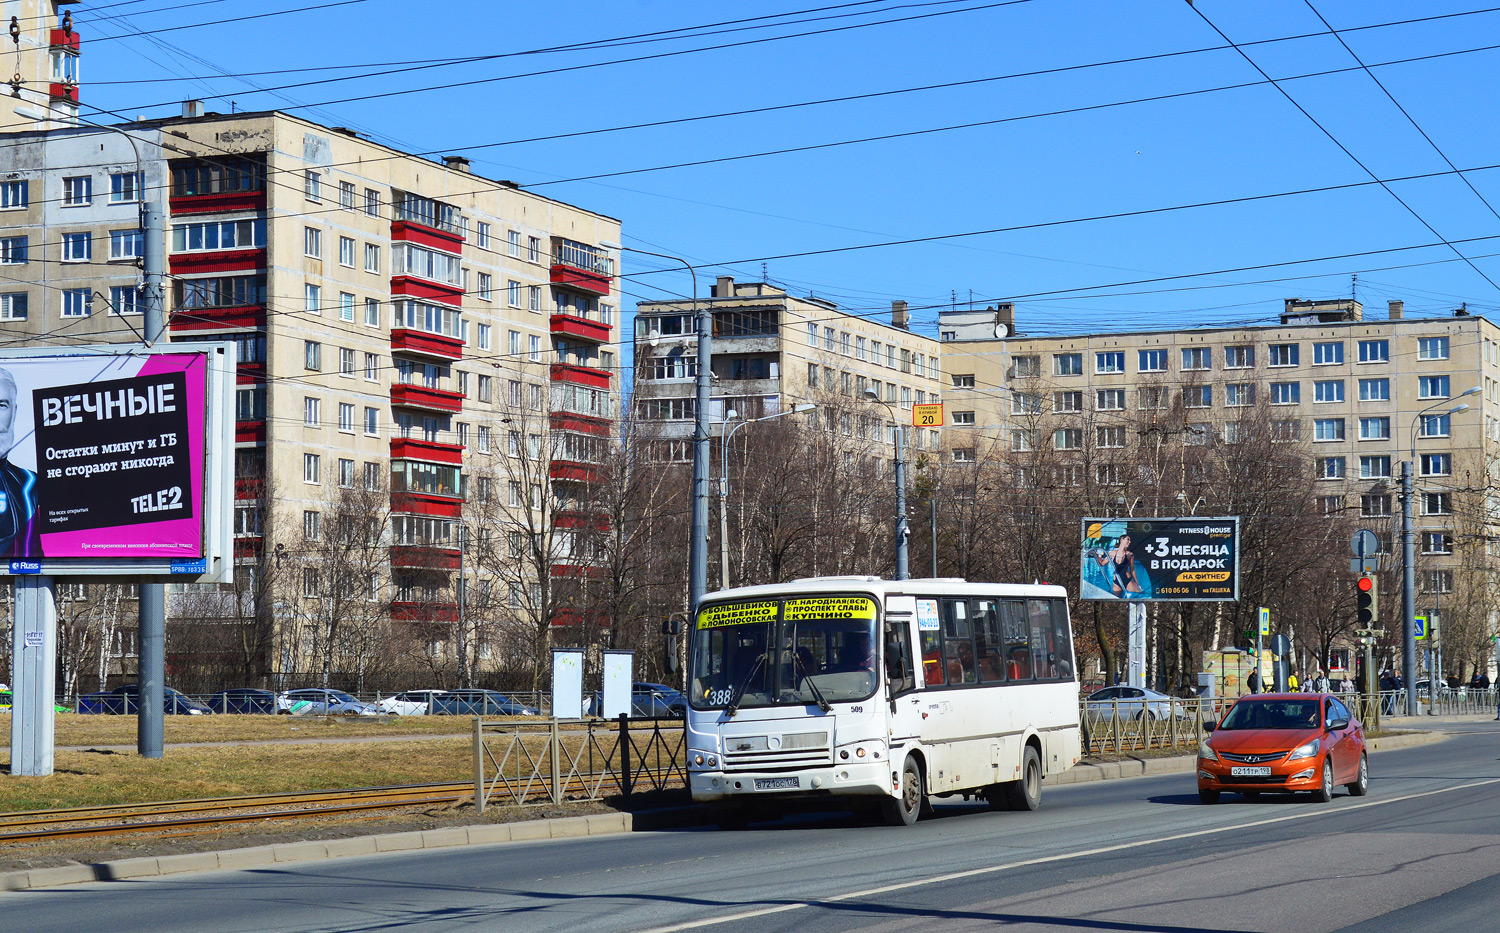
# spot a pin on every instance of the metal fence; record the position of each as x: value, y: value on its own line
x: 519, y: 762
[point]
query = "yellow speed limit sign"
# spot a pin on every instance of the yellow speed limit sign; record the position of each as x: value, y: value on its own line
x: 927, y: 416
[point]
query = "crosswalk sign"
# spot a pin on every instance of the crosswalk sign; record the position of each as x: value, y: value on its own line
x: 1421, y: 623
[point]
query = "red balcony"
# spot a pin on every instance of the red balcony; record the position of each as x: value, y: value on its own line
x: 584, y: 280
x: 427, y: 290
x: 424, y: 557
x: 217, y: 203
x: 587, y: 520
x: 250, y: 316
x: 411, y: 231
x: 421, y: 343
x: 421, y: 503
x: 249, y: 432
x: 247, y: 547
x: 566, y: 471
x: 573, y: 326
x: 583, y: 424
x: 427, y: 399
x: 222, y: 260
x: 580, y: 375
x: 424, y: 612
x: 411, y: 448
x: 63, y: 91
x: 64, y: 39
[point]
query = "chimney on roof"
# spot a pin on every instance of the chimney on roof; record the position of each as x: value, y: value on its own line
x: 1395, y: 310
x: 724, y: 288
x: 457, y: 163
x: 192, y: 108
x: 1005, y: 314
x: 900, y: 317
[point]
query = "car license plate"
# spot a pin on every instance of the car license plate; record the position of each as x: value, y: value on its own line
x: 790, y: 783
x: 1250, y: 772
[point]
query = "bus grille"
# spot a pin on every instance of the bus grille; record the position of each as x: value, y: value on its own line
x: 798, y: 750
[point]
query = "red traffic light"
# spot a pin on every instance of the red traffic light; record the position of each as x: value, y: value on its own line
x: 1365, y: 584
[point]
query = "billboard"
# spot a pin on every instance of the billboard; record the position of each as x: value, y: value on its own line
x: 1182, y: 559
x: 117, y: 460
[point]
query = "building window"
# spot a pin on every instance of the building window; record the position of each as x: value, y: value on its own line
x: 1107, y: 474
x: 312, y: 185
x: 346, y: 306
x: 1197, y: 358
x: 534, y: 298
x: 1432, y: 348
x: 1240, y: 357
x: 78, y: 191
x: 346, y: 361
x: 205, y: 236
x: 13, y: 250
x: 372, y: 421
x: 312, y: 410
x: 963, y: 455
x: 1286, y: 393
x: 1328, y: 429
x: 1286, y: 431
x: 124, y: 299
x: 1331, y: 468
x: 1066, y: 364
x: 1068, y: 439
x: 126, y: 244
x: 1109, y: 399
x: 963, y: 418
x: 310, y: 584
x: 1436, y: 425
x: 1378, y: 467
x: 1437, y: 503
x: 346, y: 418
x: 1328, y: 390
x: 1024, y: 403
x: 534, y: 249
x: 1239, y: 394
x: 1437, y: 581
x: 312, y: 468
x: 312, y: 355
x: 513, y: 243
x: 1374, y: 505
x: 486, y: 287
x: 1112, y: 436
x: 1067, y: 401
x: 1437, y: 464
x: 125, y: 187
x: 312, y: 525
x: 1198, y: 397
x: 13, y: 194
x: 1375, y: 390
x: 1152, y: 361
x: 1432, y: 387
x: 1326, y: 354
x: 372, y: 202
x: 346, y: 194
x: 77, y: 247
x: 312, y: 298
x: 1112, y: 361
x: 312, y: 242
x: 1331, y: 505
x: 77, y: 302
x: 513, y: 291
x: 1437, y: 542
x: 1375, y: 429
x: 1283, y: 354
x: 13, y: 306
x: 1374, y: 351
x: 372, y: 312
x: 963, y: 380
x: 346, y: 251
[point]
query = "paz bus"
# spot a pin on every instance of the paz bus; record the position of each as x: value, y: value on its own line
x: 855, y: 692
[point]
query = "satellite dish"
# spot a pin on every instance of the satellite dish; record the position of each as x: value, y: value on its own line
x: 654, y: 337
x: 1001, y: 330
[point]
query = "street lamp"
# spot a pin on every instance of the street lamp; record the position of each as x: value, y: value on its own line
x: 725, y: 433
x: 1409, y: 565
x: 698, y: 543
x: 901, y: 530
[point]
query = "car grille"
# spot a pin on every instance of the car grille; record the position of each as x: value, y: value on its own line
x: 798, y: 750
x: 1256, y: 779
x: 1255, y: 759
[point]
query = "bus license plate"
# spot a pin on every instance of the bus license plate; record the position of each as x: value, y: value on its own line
x: 788, y: 783
x: 1250, y: 772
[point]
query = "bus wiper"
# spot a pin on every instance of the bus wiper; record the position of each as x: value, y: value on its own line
x: 811, y: 685
x: 742, y: 686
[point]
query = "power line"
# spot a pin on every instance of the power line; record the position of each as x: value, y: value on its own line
x: 221, y: 22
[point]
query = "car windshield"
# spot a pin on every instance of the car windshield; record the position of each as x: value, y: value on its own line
x: 341, y: 697
x: 1272, y: 714
x: 784, y: 652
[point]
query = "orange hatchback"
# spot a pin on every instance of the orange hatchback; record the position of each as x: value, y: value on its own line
x: 1283, y: 743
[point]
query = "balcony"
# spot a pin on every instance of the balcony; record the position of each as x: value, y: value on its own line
x: 424, y: 557
x: 565, y: 471
x: 412, y: 448
x: 580, y: 375
x: 572, y: 325
x: 430, y: 223
x: 222, y: 260
x: 220, y: 202
x: 423, y: 344
x: 423, y: 234
x: 580, y: 266
x: 426, y: 398
x: 414, y: 611
x: 249, y: 432
x: 187, y: 319
x: 583, y: 424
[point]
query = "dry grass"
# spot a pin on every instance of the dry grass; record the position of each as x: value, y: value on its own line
x: 75, y: 729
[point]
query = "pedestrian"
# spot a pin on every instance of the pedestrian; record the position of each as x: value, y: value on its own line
x: 1253, y: 682
x: 1291, y: 682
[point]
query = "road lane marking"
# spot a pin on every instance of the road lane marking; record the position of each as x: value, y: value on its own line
x: 1045, y: 859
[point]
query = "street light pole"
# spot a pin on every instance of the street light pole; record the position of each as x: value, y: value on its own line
x: 1409, y: 566
x: 724, y: 435
x: 901, y: 530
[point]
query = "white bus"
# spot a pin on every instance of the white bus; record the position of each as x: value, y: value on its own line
x: 858, y: 691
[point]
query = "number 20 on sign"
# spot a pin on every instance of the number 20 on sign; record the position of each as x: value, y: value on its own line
x: 927, y: 416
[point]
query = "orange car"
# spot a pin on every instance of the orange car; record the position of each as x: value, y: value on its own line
x: 1282, y: 743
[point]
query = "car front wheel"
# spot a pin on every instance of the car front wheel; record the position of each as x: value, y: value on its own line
x: 1325, y: 792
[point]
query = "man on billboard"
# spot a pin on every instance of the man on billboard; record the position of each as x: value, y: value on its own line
x: 19, y: 535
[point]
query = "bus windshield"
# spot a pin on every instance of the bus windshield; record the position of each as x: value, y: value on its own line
x: 793, y: 652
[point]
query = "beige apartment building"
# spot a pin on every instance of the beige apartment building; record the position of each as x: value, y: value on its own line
x: 396, y: 318
x: 773, y: 351
x: 1362, y: 395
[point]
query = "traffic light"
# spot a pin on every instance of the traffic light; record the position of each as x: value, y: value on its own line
x: 1366, y: 602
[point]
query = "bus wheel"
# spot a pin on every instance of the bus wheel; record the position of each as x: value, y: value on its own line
x: 904, y: 810
x: 1026, y: 794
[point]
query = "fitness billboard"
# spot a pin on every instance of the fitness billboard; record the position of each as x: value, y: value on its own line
x: 1181, y: 559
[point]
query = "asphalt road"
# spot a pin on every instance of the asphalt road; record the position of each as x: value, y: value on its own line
x: 1142, y: 855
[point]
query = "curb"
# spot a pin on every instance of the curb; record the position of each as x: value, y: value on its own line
x: 595, y: 824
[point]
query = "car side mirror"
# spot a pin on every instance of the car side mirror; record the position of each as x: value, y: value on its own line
x: 1338, y: 725
x: 1210, y: 726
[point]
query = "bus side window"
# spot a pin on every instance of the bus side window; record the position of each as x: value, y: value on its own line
x: 958, y: 645
x: 1040, y: 611
x: 989, y: 647
x: 932, y: 659
x: 898, y: 672
x: 1017, y: 641
x: 1062, y: 640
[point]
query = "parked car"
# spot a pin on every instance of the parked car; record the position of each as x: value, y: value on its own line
x: 243, y: 700
x: 1133, y: 703
x: 479, y: 703
x: 315, y: 701
x: 410, y: 702
x: 125, y: 700
x: 647, y: 701
x: 5, y: 703
x: 1283, y: 743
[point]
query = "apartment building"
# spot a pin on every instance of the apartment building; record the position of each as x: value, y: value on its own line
x: 43, y: 59
x: 1361, y: 395
x: 773, y: 351
x: 394, y: 315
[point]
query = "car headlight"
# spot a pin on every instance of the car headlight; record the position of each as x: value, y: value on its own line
x: 1206, y: 753
x: 1305, y: 751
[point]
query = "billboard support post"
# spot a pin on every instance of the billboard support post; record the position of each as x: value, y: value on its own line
x: 1137, y: 660
x: 152, y: 604
x: 34, y: 649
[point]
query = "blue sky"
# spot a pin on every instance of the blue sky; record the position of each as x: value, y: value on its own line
x: 728, y: 217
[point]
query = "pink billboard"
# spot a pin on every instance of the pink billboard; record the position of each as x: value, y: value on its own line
x: 103, y: 456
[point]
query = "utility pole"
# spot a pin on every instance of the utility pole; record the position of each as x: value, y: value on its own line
x: 152, y: 604
x: 1408, y: 593
x: 932, y: 509
x: 902, y: 572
